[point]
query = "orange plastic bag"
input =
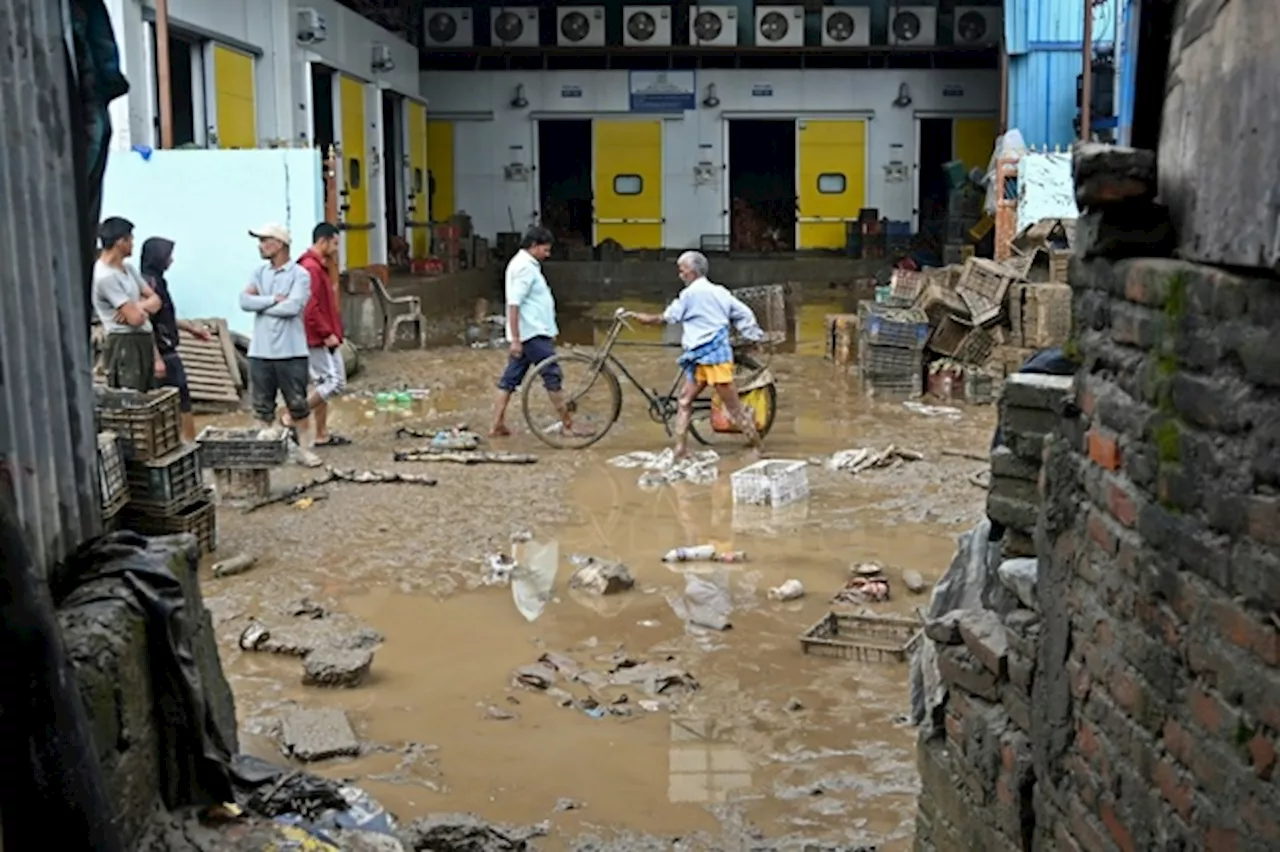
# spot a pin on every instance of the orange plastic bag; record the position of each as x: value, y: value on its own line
x: 756, y: 400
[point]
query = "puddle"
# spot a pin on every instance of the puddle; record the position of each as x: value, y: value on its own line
x: 795, y: 745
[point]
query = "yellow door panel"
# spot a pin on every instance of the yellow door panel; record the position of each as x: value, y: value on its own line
x: 628, y: 183
x: 235, y: 103
x: 354, y: 203
x: 973, y: 140
x: 440, y: 168
x: 417, y: 217
x: 831, y: 179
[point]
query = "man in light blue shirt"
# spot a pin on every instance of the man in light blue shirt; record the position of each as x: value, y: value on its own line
x: 278, y: 354
x: 531, y: 329
x: 706, y: 313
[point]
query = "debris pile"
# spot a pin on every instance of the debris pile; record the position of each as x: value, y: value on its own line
x: 855, y: 461
x: 601, y: 690
x: 867, y: 584
x: 663, y: 468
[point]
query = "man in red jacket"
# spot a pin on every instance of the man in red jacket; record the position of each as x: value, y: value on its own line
x: 324, y: 332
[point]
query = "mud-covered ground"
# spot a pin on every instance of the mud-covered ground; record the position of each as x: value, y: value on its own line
x: 771, y: 744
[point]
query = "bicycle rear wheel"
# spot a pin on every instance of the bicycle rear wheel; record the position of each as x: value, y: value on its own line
x: 590, y: 391
x: 766, y: 396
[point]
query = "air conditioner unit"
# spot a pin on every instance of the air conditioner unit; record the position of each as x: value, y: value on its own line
x: 448, y: 28
x: 646, y: 26
x: 312, y: 28
x: 976, y: 25
x: 514, y: 27
x: 779, y: 26
x: 580, y: 26
x: 846, y: 26
x: 913, y: 26
x: 713, y: 26
x: 383, y: 60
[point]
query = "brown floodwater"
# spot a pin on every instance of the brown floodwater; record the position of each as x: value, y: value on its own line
x: 793, y: 745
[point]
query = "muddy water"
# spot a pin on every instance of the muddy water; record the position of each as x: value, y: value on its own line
x: 793, y: 745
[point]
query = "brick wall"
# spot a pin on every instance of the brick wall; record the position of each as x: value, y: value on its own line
x: 1150, y: 656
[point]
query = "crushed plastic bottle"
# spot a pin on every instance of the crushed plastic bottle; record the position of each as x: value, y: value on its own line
x: 788, y: 591
x: 700, y: 553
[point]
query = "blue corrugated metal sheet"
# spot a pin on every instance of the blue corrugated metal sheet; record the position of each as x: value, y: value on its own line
x: 1045, y: 40
x: 48, y: 451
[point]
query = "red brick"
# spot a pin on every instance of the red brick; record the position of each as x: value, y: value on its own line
x: 1104, y: 451
x: 1127, y: 691
x: 1117, y: 829
x: 1085, y: 399
x: 1085, y: 780
x: 1207, y: 770
x: 1262, y: 754
x: 1174, y: 790
x: 1121, y: 506
x: 1206, y: 709
x: 1245, y: 631
x: 1177, y: 741
x: 1064, y: 842
x: 1081, y: 683
x: 1219, y: 839
x: 1086, y: 740
x: 1264, y: 821
x: 1099, y: 528
x: 1084, y: 830
x: 1159, y: 621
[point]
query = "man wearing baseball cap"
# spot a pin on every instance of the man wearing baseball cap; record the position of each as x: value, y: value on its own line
x: 278, y: 357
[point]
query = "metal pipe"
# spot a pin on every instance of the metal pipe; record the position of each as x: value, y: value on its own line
x: 164, y: 87
x: 1086, y: 83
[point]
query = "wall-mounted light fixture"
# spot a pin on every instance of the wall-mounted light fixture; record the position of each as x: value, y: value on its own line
x: 518, y: 100
x: 903, y: 100
x: 383, y: 61
x: 711, y: 101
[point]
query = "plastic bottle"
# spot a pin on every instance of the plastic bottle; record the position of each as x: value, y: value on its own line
x: 404, y: 399
x: 788, y: 591
x: 730, y: 556
x: 701, y: 553
x: 382, y: 401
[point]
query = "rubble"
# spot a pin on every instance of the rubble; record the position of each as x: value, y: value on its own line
x: 468, y: 833
x: 599, y: 576
x: 311, y: 734
x: 336, y: 667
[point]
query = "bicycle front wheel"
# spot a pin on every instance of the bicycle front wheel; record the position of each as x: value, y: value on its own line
x: 589, y: 394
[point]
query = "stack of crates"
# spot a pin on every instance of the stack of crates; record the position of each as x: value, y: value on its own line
x: 166, y: 486
x: 241, y: 460
x: 891, y: 349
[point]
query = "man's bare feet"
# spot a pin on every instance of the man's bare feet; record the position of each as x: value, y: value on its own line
x: 499, y: 432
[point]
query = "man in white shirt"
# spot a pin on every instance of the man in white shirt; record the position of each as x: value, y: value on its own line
x: 124, y: 303
x: 531, y: 329
x: 706, y: 313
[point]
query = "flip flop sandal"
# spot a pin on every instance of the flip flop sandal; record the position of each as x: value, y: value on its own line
x: 335, y: 440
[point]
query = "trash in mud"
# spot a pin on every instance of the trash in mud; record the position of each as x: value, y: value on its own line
x: 932, y: 410
x: 793, y: 705
x: 704, y: 603
x: 235, y: 565
x: 654, y: 678
x: 499, y: 714
x: 310, y: 734
x: 358, y: 822
x: 469, y: 833
x: 663, y: 469
x: 703, y: 553
x: 864, y: 590
x: 467, y: 457
x: 253, y: 636
x: 788, y: 591
x: 461, y: 432
x: 563, y: 805
x: 305, y: 607
x: 537, y: 676
x: 298, y: 639
x: 914, y: 581
x: 358, y: 477
x: 336, y: 667
x: 864, y: 458
x: 534, y: 577
x: 497, y: 569
x: 599, y: 576
x: 866, y: 569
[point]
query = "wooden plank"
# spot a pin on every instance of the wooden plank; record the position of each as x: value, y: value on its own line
x: 229, y: 350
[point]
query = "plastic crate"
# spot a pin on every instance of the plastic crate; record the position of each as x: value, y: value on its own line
x: 200, y: 519
x: 976, y: 348
x: 889, y: 361
x: 242, y: 485
x: 113, y: 485
x: 222, y: 448
x: 148, y: 424
x: 166, y: 485
x: 893, y: 386
x: 881, y: 325
x: 1059, y: 263
x: 872, y: 638
x: 771, y: 482
x: 905, y: 286
x: 769, y: 303
x: 949, y: 334
x: 983, y: 286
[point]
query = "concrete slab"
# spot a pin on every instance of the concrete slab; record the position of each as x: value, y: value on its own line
x: 336, y: 667
x: 320, y: 733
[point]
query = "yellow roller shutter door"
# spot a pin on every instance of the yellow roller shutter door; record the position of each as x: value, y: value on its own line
x: 440, y: 164
x: 418, y: 217
x: 973, y: 140
x: 355, y: 177
x: 235, y: 103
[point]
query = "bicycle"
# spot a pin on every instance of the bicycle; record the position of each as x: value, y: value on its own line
x: 756, y: 388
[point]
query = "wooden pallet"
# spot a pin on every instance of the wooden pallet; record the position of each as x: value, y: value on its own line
x: 213, y: 373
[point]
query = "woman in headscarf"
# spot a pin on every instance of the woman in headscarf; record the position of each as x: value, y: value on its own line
x: 157, y: 257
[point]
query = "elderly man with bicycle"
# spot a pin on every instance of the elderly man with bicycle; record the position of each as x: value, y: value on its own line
x: 707, y: 312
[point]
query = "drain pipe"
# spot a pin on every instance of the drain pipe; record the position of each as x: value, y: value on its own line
x: 164, y: 83
x: 1086, y: 82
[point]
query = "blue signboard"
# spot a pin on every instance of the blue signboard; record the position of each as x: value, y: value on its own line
x: 663, y: 91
